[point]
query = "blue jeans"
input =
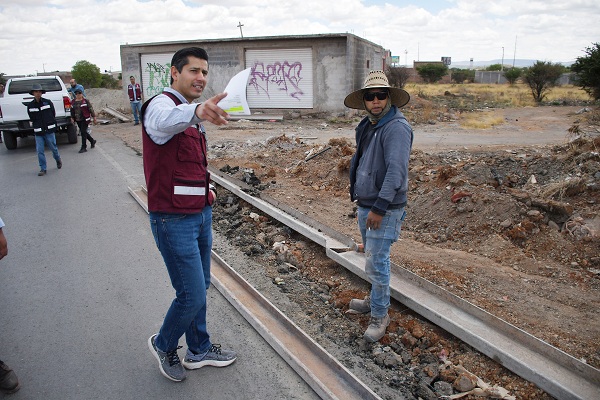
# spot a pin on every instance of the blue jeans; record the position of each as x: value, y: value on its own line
x: 185, y: 242
x: 136, y: 109
x: 40, y: 141
x: 377, y: 244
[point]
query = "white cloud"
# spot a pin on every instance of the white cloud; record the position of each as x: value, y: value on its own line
x: 54, y: 35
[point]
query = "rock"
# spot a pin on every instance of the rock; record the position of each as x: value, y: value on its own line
x: 417, y: 332
x: 442, y: 388
x: 506, y: 223
x: 554, y: 225
x: 465, y: 382
x: 408, y: 340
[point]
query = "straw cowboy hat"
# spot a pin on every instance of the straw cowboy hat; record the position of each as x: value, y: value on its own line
x: 36, y: 86
x: 376, y: 79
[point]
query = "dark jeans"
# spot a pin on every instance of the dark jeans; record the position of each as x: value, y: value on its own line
x: 185, y: 242
x: 85, y: 136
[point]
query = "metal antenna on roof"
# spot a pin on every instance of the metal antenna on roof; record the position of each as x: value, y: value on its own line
x: 240, y: 26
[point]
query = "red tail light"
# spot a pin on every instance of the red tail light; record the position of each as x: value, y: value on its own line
x: 67, y: 103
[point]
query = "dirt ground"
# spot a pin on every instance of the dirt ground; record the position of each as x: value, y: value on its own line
x: 505, y: 217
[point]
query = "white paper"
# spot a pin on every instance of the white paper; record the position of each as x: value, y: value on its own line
x: 235, y: 103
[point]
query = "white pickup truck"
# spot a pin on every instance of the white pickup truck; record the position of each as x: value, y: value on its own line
x: 14, y: 120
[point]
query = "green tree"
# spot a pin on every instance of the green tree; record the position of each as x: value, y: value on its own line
x: 541, y: 77
x: 494, y: 67
x: 588, y: 71
x: 512, y: 75
x: 432, y: 73
x: 109, y: 82
x: 460, y: 75
x: 398, y: 76
x: 87, y: 74
x: 2, y: 78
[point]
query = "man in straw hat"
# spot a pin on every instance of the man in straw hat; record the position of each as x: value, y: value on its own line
x: 43, y: 118
x: 379, y: 186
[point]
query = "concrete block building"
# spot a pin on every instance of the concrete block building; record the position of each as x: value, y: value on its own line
x: 304, y: 73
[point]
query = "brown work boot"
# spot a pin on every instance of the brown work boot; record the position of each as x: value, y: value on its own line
x: 358, y: 306
x: 8, y: 379
x: 376, y: 328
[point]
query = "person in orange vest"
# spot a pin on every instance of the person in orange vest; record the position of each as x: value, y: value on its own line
x: 134, y: 90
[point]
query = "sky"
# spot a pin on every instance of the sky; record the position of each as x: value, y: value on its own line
x: 52, y: 35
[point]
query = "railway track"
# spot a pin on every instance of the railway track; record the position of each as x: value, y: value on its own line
x: 554, y: 371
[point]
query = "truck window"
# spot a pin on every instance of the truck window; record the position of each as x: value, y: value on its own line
x: 23, y: 87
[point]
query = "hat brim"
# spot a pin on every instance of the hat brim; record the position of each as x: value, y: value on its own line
x: 37, y: 90
x: 355, y: 99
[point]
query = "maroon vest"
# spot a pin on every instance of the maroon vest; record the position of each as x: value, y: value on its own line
x: 138, y: 92
x: 176, y: 174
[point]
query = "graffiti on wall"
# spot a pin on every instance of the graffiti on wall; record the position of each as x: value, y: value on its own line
x: 277, y: 77
x: 159, y: 78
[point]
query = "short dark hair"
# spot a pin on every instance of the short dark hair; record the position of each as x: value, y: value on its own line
x: 180, y: 58
x: 131, y: 77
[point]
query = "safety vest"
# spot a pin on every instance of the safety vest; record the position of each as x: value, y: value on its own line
x: 176, y: 172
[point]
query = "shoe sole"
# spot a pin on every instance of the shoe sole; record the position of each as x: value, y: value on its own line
x: 155, y: 354
x: 208, y: 363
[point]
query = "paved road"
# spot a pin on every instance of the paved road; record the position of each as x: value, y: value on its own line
x: 83, y: 287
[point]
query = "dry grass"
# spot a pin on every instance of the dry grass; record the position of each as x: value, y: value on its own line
x: 482, y: 119
x: 518, y: 95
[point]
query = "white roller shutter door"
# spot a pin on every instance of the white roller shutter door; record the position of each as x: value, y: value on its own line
x: 280, y: 78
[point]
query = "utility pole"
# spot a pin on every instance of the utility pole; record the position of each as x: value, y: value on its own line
x: 515, y: 53
x: 405, y: 58
x: 240, y: 26
x: 502, y: 65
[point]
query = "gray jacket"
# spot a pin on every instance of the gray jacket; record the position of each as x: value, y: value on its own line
x: 379, y: 168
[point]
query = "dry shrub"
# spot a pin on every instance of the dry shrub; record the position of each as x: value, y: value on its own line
x: 560, y: 190
x: 343, y: 165
x: 340, y: 142
x: 482, y: 120
x: 445, y: 173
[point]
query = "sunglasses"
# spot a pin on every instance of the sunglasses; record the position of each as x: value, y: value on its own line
x: 370, y: 96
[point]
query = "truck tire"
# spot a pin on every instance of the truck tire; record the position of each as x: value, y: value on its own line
x: 72, y: 133
x: 10, y: 140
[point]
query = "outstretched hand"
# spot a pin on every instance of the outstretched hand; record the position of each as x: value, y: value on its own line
x: 211, y: 112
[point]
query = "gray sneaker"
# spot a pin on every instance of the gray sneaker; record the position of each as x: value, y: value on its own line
x: 376, y: 328
x: 214, y: 357
x: 358, y: 306
x: 168, y: 362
